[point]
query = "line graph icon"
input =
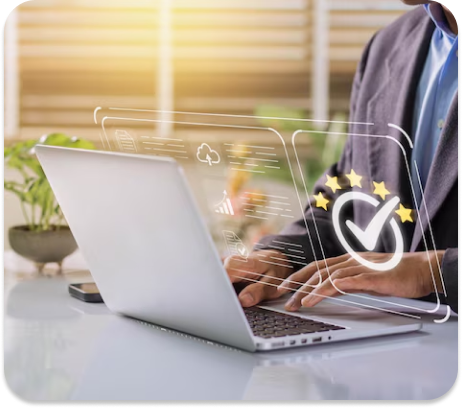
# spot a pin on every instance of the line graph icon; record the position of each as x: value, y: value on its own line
x: 224, y: 206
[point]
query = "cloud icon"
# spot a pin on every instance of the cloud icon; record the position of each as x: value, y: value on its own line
x: 206, y: 155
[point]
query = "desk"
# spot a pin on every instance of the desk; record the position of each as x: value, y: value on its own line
x: 58, y: 348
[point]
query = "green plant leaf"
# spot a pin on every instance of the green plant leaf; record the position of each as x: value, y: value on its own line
x: 20, y: 157
x: 60, y: 139
x: 31, y: 195
x: 33, y: 164
x: 55, y: 139
x: 15, y: 188
x: 14, y: 162
x: 13, y: 184
x: 35, y: 190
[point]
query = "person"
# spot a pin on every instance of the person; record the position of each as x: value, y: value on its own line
x: 407, y: 77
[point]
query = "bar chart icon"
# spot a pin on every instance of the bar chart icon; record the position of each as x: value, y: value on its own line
x: 225, y: 206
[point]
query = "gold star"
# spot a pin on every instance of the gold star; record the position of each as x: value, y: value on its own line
x: 332, y: 182
x: 381, y: 190
x: 321, y: 202
x: 355, y: 180
x: 404, y: 213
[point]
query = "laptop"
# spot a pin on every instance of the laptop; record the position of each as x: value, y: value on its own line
x: 140, y: 231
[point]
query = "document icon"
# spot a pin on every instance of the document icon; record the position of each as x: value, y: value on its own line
x: 235, y: 245
x: 125, y: 141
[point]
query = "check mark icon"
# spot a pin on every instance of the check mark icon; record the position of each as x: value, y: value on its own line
x: 369, y: 237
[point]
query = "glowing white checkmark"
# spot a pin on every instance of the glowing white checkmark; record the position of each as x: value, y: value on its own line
x: 369, y: 237
x: 375, y: 227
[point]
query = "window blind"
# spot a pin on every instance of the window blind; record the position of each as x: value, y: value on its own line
x: 228, y: 56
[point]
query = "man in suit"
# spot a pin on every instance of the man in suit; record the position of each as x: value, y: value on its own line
x: 407, y: 77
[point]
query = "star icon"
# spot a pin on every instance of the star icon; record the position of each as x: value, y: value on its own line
x: 332, y: 182
x: 321, y: 201
x: 381, y: 190
x: 355, y: 180
x: 404, y: 213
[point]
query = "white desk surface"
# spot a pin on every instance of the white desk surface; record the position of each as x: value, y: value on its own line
x: 59, y: 348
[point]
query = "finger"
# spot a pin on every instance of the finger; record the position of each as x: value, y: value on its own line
x: 239, y: 268
x: 264, y: 289
x: 256, y: 265
x: 294, y: 303
x: 296, y: 280
x: 304, y: 274
x: 318, y: 278
x: 316, y: 281
x: 330, y: 288
x: 372, y: 282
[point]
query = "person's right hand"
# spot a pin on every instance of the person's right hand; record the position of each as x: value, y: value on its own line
x: 262, y: 273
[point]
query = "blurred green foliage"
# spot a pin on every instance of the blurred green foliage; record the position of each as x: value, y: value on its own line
x: 326, y: 141
x: 38, y: 203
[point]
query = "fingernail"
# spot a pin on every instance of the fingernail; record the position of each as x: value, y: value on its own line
x: 246, y: 300
x: 307, y: 301
x: 291, y: 304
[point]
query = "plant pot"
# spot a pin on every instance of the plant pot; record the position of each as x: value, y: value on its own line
x: 42, y: 247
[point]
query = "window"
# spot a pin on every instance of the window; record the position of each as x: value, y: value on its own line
x: 228, y: 56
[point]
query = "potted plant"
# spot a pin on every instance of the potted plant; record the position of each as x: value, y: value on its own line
x: 44, y: 238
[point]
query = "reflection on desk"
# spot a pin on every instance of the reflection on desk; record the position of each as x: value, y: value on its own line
x: 57, y: 347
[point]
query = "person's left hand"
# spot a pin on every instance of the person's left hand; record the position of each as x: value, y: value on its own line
x: 412, y: 278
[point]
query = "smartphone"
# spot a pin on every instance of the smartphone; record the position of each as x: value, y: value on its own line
x: 87, y: 292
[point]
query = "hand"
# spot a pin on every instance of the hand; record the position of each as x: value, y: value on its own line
x: 262, y: 272
x: 412, y: 278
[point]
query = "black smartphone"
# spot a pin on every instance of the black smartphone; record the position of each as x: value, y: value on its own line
x: 87, y: 292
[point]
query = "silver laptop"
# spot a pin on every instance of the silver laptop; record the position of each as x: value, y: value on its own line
x: 139, y: 229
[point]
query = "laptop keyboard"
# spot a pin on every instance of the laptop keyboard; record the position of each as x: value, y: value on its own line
x: 268, y: 324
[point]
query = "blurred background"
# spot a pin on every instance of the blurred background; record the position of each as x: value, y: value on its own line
x: 291, y: 58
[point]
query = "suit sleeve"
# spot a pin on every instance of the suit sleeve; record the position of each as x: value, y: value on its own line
x: 450, y: 276
x: 316, y: 226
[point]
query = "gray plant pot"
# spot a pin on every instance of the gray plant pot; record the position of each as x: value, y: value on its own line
x: 42, y: 247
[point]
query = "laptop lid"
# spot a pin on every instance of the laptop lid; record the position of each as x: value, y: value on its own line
x: 141, y: 234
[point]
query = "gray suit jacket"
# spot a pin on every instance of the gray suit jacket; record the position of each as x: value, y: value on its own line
x: 384, y: 92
